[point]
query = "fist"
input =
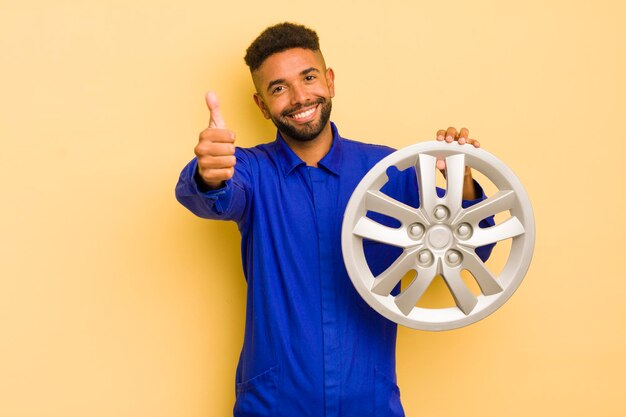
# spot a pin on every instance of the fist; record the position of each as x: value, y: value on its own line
x: 215, y: 151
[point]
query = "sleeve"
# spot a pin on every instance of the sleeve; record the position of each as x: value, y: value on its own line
x: 231, y: 202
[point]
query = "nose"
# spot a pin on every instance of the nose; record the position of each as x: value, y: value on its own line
x: 299, y: 94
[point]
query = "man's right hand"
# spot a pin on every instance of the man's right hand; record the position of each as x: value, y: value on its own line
x: 216, y: 148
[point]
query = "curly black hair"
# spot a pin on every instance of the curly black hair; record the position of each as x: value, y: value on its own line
x: 279, y: 38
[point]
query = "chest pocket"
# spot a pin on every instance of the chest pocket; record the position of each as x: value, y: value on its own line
x: 256, y: 397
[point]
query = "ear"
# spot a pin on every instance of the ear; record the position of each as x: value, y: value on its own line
x: 261, y: 104
x: 330, y: 81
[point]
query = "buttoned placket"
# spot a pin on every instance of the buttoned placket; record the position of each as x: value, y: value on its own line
x: 321, y: 183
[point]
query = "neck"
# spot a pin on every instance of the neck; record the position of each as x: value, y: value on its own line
x: 312, y: 151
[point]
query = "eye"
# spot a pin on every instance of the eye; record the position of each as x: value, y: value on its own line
x: 278, y: 89
x: 309, y: 77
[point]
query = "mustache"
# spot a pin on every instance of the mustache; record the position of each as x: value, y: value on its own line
x: 299, y: 106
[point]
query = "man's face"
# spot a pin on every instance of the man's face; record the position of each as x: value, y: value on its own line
x: 295, y: 89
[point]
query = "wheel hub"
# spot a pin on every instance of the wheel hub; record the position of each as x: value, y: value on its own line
x: 439, y: 237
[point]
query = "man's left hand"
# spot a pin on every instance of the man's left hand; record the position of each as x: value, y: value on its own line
x: 451, y: 135
x: 462, y: 137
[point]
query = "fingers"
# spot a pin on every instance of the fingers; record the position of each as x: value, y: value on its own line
x: 463, y: 136
x: 215, y: 152
x: 216, y: 162
x: 474, y: 142
x: 209, y: 163
x: 214, y: 178
x: 216, y: 120
x: 214, y: 149
x: 450, y: 135
x: 217, y: 135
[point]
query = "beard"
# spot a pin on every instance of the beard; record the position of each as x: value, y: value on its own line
x: 309, y: 130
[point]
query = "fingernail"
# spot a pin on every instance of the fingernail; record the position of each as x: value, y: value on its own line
x: 449, y: 138
x: 461, y: 141
x: 440, y: 137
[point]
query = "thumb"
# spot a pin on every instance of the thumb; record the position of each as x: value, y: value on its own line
x: 216, y: 121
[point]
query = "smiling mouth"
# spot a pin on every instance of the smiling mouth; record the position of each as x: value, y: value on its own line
x: 304, y: 115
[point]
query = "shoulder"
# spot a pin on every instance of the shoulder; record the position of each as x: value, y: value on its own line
x: 369, y: 148
x: 258, y: 158
x: 366, y: 152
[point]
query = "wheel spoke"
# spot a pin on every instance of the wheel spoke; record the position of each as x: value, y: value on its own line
x: 486, y: 281
x: 464, y: 298
x: 455, y: 174
x: 499, y: 202
x: 509, y: 228
x: 388, y: 279
x: 411, y: 295
x: 383, y: 204
x: 369, y: 229
x: 425, y: 172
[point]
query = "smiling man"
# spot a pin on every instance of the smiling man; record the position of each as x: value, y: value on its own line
x: 312, y: 346
x: 299, y: 103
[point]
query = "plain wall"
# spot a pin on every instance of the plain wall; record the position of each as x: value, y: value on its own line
x: 116, y: 301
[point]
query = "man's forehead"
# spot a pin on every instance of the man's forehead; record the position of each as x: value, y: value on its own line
x: 288, y: 63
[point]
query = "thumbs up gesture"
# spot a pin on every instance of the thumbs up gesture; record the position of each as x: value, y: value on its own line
x: 215, y: 151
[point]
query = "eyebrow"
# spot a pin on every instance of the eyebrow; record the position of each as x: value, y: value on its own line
x: 282, y: 80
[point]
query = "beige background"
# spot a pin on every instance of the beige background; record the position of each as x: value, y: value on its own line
x: 116, y: 301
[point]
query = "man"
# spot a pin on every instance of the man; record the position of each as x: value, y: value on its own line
x: 312, y: 347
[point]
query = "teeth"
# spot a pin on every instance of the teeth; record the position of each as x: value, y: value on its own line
x: 304, y: 114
